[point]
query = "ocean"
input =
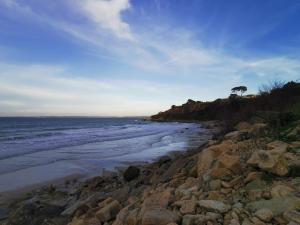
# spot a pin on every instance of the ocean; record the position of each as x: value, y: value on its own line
x: 38, y: 150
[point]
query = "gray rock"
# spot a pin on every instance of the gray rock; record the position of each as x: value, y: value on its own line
x: 276, y: 205
x: 292, y: 215
x: 265, y: 215
x: 214, y: 205
x: 193, y: 219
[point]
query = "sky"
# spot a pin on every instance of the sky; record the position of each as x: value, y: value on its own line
x: 139, y: 57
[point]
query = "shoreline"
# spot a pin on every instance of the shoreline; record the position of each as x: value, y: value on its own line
x: 11, y: 197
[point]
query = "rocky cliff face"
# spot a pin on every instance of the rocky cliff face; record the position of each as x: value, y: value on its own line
x: 236, y: 109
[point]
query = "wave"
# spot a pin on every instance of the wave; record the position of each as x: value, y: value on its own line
x: 47, y: 141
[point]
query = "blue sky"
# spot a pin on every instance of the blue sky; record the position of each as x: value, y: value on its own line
x: 138, y: 57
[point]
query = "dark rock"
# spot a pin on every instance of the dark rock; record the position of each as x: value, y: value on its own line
x: 131, y: 173
x: 33, y: 213
x: 164, y: 159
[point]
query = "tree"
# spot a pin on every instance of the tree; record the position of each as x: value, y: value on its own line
x: 241, y: 89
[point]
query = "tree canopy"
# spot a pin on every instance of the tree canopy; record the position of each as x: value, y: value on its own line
x: 241, y: 89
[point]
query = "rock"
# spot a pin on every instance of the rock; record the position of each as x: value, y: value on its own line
x: 257, y: 221
x: 253, y: 176
x: 164, y: 159
x: 292, y: 223
x: 214, y: 205
x: 159, y: 199
x: 154, y: 212
x: 208, y: 155
x: 128, y: 216
x: 294, y: 132
x: 254, y: 195
x: 258, y: 129
x: 159, y: 216
x: 188, y: 207
x: 88, y: 201
x: 246, y: 221
x: 278, y: 146
x: 256, y: 185
x: 105, y: 202
x: 225, y: 165
x: 274, y: 163
x: 295, y: 144
x: 214, y: 195
x: 281, y: 191
x: 131, y: 173
x: 292, y: 215
x: 277, y: 205
x: 193, y: 219
x: 215, y: 185
x: 84, y: 221
x: 243, y: 126
x: 265, y: 215
x: 234, y: 222
x: 189, y: 183
x: 232, y: 183
x: 236, y: 136
x: 34, y: 213
x: 109, y: 211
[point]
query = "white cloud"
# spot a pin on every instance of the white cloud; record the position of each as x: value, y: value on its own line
x: 107, y: 14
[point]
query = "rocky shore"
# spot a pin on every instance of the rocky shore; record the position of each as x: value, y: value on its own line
x: 250, y: 175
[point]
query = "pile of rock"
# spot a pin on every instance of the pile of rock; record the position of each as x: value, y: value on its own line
x: 241, y: 179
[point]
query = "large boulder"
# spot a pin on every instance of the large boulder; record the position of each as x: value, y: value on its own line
x: 225, y: 165
x: 208, y: 155
x: 277, y: 205
x: 269, y: 161
x: 154, y: 209
x: 109, y: 211
x: 131, y: 173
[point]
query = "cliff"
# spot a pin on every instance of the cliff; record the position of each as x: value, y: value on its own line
x: 236, y: 108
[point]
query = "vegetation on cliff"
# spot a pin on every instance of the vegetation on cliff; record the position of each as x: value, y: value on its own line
x: 279, y: 98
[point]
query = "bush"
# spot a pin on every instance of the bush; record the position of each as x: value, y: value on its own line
x: 294, y: 171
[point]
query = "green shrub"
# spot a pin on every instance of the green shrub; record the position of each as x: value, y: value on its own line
x: 294, y: 170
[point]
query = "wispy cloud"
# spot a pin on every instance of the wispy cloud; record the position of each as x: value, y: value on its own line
x: 108, y: 15
x: 50, y: 90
